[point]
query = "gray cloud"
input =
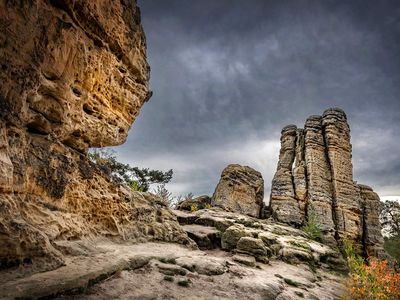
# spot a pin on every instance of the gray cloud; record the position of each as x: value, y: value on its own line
x: 228, y: 75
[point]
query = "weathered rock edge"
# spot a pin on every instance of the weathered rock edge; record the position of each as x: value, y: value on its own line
x: 315, y: 177
x: 73, y: 75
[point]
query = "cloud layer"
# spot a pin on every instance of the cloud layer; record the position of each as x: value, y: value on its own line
x: 228, y: 75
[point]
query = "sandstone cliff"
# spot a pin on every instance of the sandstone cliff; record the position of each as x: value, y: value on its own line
x: 315, y: 176
x: 73, y: 75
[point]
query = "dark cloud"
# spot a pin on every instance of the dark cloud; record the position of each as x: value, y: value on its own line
x: 228, y: 75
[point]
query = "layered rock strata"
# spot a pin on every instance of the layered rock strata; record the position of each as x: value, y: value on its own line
x: 240, y: 189
x: 73, y: 75
x: 315, y: 177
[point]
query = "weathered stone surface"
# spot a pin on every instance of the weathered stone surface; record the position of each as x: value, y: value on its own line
x: 284, y: 205
x: 73, y: 75
x: 199, y: 202
x: 346, y: 194
x: 72, y: 71
x: 232, y: 235
x: 319, y: 178
x: 204, y: 236
x: 315, y: 180
x: 245, y: 259
x: 254, y: 247
x: 240, y: 189
x: 372, y: 227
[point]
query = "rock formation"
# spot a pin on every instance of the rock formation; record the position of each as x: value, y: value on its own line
x: 315, y: 176
x: 240, y: 189
x: 195, y: 203
x: 73, y: 75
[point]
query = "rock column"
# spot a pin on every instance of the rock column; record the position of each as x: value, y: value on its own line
x: 315, y: 178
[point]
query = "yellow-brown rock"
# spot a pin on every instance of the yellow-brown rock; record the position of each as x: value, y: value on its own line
x: 75, y: 70
x: 73, y: 75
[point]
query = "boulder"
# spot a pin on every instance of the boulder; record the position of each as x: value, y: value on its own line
x: 254, y: 247
x: 245, y: 259
x: 232, y: 235
x: 200, y: 202
x: 240, y: 189
x: 204, y: 236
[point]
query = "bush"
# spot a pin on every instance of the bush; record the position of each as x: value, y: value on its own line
x: 184, y: 282
x: 165, y: 195
x: 392, y: 247
x: 194, y: 208
x: 375, y: 280
x: 168, y: 278
x: 311, y: 227
x: 136, y: 178
x: 207, y: 206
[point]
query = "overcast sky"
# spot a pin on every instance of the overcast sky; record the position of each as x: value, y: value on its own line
x: 228, y: 75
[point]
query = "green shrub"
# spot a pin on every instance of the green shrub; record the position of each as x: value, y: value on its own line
x: 207, y: 206
x: 311, y: 227
x: 194, y: 208
x: 291, y: 282
x: 184, y: 282
x: 138, y: 179
x: 168, y: 278
x: 392, y: 247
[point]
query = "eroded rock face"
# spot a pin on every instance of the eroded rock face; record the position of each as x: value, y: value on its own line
x: 75, y: 70
x: 73, y: 75
x: 240, y: 189
x: 315, y: 176
x: 372, y: 234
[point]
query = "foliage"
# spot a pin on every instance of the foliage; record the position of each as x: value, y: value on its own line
x: 184, y: 282
x: 291, y: 282
x: 165, y: 195
x: 207, y: 206
x: 138, y: 179
x: 390, y: 218
x: 311, y: 227
x: 375, y: 280
x: 392, y: 247
x: 168, y: 278
x: 194, y: 208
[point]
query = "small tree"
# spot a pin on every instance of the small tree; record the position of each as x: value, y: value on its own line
x: 390, y: 219
x: 165, y: 195
x: 311, y: 227
x: 136, y: 178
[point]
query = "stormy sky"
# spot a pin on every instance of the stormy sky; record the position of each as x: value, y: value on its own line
x: 227, y: 75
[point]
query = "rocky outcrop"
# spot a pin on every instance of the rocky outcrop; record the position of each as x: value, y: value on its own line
x: 285, y: 205
x: 315, y: 177
x: 265, y: 240
x: 372, y: 236
x: 73, y: 75
x: 240, y: 189
x: 200, y: 202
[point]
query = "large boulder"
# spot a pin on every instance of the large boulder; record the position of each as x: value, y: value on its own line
x: 240, y: 189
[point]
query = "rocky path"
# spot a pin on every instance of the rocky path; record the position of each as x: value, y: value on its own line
x: 107, y: 270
